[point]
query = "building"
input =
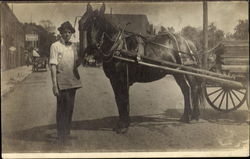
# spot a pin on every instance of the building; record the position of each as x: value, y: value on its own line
x: 37, y: 37
x: 31, y: 36
x: 12, y: 39
x: 138, y: 23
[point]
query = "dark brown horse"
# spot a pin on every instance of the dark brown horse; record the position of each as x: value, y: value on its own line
x: 101, y: 37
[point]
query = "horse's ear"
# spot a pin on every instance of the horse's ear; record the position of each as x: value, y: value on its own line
x: 102, y: 9
x: 89, y: 8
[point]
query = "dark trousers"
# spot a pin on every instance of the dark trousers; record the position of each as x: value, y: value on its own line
x: 65, y: 106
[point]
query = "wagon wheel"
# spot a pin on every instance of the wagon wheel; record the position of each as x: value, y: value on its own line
x: 224, y: 98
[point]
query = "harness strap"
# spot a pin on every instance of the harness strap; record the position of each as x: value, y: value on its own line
x: 162, y: 45
x: 169, y: 48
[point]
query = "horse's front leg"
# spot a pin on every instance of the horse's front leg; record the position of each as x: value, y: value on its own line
x: 186, y: 91
x: 121, y: 92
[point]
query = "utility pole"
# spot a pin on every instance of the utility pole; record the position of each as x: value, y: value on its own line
x: 205, y: 34
x: 205, y: 48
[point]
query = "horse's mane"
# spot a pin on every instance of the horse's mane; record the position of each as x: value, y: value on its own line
x: 108, y: 25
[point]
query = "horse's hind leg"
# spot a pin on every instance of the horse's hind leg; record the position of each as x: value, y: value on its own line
x: 196, y: 93
x: 182, y: 82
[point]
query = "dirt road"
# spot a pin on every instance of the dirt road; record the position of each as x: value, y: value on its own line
x: 28, y: 119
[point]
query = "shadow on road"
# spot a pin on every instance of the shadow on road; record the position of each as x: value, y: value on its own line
x: 169, y: 117
x: 47, y: 132
x: 213, y: 116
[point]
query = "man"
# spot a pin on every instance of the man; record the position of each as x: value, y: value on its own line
x: 26, y: 56
x: 65, y: 78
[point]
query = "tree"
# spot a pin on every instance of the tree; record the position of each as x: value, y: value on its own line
x: 241, y: 30
x: 196, y: 36
x: 48, y: 25
x: 193, y: 34
x: 214, y: 35
x: 229, y: 36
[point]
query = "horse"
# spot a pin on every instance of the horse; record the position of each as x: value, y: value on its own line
x: 101, y: 37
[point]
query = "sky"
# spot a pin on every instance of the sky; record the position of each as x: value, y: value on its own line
x: 224, y: 14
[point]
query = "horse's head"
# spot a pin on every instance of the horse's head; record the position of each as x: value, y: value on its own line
x: 95, y: 25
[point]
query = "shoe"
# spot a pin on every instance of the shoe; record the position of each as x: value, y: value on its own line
x: 64, y: 142
x: 122, y: 130
x: 121, y: 127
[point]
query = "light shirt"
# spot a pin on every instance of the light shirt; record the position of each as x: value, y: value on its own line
x: 64, y: 57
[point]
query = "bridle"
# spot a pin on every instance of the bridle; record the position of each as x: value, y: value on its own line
x: 108, y: 55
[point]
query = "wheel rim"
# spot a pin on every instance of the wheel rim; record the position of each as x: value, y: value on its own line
x: 224, y: 98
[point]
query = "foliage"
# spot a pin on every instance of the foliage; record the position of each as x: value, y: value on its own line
x: 193, y: 34
x: 168, y: 29
x: 48, y: 26
x: 241, y: 30
x: 196, y: 35
x: 214, y: 35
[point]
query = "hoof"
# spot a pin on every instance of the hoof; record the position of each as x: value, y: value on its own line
x: 121, y: 127
x: 185, y: 119
x: 195, y: 118
x: 195, y: 115
x: 122, y: 130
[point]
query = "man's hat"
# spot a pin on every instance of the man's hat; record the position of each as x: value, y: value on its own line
x: 66, y: 25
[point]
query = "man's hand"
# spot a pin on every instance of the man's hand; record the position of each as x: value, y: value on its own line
x: 55, y: 90
x: 78, y: 62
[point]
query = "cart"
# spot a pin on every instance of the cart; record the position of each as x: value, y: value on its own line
x: 231, y: 58
x: 39, y: 63
x: 226, y: 80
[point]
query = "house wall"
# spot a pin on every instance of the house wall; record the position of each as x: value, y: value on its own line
x: 12, y: 35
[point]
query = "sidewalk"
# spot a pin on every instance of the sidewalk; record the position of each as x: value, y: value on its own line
x: 11, y: 77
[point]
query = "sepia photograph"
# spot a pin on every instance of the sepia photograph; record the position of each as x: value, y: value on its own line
x: 124, y: 79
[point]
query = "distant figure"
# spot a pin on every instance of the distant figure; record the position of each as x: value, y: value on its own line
x: 65, y: 79
x: 27, y: 58
x: 35, y: 55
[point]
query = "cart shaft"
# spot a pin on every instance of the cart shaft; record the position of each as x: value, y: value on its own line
x: 221, y: 81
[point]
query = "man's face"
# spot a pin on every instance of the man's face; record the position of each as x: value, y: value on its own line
x: 66, y: 35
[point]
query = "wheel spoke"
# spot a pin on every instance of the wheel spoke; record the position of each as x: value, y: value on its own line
x: 214, y: 92
x: 240, y: 91
x: 227, y: 100
x: 217, y: 97
x: 236, y: 96
x: 231, y: 98
x: 222, y: 99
